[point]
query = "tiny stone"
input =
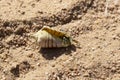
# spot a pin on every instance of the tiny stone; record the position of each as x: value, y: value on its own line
x: 113, y: 69
x: 53, y: 65
x: 79, y: 16
x: 93, y: 49
x: 86, y: 75
x: 38, y: 64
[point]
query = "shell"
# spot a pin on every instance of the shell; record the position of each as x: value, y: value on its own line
x: 50, y: 38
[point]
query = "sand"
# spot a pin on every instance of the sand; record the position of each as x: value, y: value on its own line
x: 97, y: 30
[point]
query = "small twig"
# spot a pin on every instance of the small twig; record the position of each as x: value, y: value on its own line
x: 106, y: 8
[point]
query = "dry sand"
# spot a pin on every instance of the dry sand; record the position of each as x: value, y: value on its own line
x: 98, y: 57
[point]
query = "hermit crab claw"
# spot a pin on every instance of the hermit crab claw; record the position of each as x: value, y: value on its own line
x: 77, y: 43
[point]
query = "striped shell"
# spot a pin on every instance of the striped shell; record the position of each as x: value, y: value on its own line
x: 50, y: 38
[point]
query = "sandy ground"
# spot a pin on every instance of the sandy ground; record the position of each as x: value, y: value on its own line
x: 97, y: 31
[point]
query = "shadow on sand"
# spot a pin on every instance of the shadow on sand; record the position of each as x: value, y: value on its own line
x: 51, y: 53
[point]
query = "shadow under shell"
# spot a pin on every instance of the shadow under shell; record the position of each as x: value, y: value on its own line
x: 51, y: 53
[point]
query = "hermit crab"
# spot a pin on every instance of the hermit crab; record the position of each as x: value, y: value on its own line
x: 50, y: 38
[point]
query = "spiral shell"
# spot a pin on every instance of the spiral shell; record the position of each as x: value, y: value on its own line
x: 50, y: 38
